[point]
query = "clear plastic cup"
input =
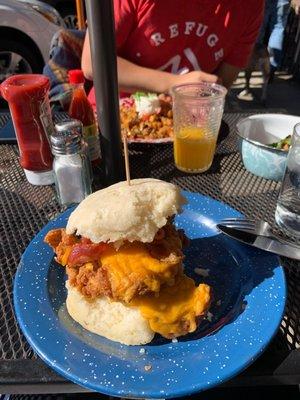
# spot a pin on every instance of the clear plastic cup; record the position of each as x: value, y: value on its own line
x: 287, y: 214
x: 197, y: 115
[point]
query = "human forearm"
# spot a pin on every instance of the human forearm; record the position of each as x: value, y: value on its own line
x: 295, y: 4
x: 86, y: 61
x: 134, y: 78
x: 131, y: 77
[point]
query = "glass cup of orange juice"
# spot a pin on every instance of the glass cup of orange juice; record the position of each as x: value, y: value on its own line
x: 197, y: 115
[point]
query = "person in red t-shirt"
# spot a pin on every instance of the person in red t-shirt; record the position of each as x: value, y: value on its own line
x: 162, y: 43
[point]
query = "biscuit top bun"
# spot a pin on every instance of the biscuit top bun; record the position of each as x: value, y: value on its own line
x: 126, y: 212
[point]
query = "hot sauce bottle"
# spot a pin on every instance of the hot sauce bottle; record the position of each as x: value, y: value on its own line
x: 28, y: 100
x: 81, y: 109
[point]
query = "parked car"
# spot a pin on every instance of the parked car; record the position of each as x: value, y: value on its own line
x: 26, y: 31
x: 67, y: 9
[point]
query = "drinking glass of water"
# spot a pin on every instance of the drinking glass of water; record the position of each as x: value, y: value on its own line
x: 287, y: 214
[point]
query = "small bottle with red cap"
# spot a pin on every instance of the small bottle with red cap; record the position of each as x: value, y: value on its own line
x: 81, y: 109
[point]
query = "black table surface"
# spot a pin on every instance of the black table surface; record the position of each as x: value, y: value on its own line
x: 25, y: 209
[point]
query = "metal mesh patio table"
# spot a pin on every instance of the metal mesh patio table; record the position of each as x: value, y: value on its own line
x: 25, y: 209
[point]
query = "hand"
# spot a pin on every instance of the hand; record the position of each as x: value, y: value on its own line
x: 295, y: 4
x: 194, y: 77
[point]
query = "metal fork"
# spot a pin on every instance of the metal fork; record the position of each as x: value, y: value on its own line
x: 256, y: 227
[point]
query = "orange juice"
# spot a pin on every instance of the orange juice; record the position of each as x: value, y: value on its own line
x: 194, y: 149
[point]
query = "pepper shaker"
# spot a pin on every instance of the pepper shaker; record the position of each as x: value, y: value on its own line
x: 71, y: 165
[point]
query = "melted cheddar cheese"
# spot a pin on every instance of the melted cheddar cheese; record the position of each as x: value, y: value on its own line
x: 166, y: 298
x: 175, y: 310
x: 131, y: 269
x: 65, y: 256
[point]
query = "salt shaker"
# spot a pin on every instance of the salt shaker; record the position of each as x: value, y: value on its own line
x: 71, y: 165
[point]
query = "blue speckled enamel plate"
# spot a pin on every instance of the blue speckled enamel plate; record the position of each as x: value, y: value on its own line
x: 249, y: 296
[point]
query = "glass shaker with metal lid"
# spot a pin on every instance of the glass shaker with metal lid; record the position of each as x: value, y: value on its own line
x: 71, y: 165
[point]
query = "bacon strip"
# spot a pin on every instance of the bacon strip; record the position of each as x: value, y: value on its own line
x: 82, y: 253
x: 82, y: 249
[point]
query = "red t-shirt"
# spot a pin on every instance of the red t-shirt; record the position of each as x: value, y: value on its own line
x: 185, y: 35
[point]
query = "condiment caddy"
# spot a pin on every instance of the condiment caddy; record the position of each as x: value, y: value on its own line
x: 60, y: 154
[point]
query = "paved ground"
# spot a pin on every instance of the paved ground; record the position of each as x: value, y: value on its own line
x: 283, y: 94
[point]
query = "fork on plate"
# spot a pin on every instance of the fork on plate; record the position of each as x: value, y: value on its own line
x: 256, y: 227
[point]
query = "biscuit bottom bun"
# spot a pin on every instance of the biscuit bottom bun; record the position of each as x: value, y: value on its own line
x: 111, y: 319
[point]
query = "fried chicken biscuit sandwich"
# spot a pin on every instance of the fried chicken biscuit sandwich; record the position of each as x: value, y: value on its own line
x: 124, y: 262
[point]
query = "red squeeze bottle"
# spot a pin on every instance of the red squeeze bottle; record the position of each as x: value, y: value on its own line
x: 81, y: 109
x: 27, y: 97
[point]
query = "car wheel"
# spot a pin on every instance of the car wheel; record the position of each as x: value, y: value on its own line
x: 17, y: 58
x: 68, y: 14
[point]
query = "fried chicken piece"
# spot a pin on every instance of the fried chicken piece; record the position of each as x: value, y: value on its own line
x: 125, y: 273
x: 168, y: 240
x: 134, y: 269
x: 61, y: 243
x: 90, y: 279
x: 54, y: 237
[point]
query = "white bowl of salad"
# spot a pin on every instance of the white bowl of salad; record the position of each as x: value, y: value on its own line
x: 264, y: 143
